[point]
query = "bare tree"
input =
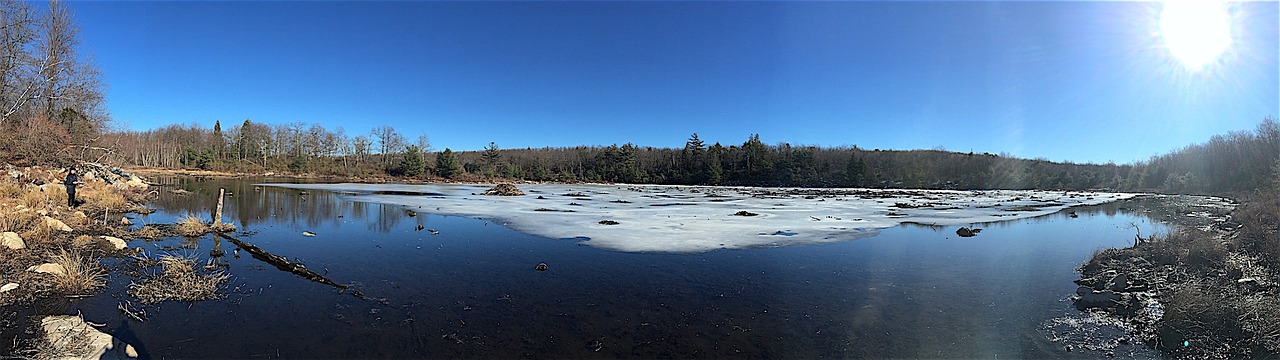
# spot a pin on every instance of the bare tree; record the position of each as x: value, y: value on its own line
x: 17, y: 85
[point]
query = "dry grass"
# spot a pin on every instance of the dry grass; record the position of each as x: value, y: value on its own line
x: 192, y: 226
x: 223, y: 227
x: 179, y: 280
x: 10, y: 189
x: 40, y: 231
x: 83, y: 276
x: 16, y: 221
x: 98, y: 197
x: 39, y: 200
x: 147, y: 232
x: 84, y: 241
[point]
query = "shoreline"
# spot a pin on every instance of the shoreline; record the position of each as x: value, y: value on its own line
x: 1199, y: 291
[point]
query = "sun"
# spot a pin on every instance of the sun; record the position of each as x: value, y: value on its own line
x: 1196, y: 32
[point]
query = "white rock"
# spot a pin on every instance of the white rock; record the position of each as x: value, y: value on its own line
x: 125, y: 221
x: 130, y: 351
x: 7, y: 287
x: 72, y: 338
x: 56, y: 224
x: 49, y: 268
x: 116, y: 242
x: 12, y: 240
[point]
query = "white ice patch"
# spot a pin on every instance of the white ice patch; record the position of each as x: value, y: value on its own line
x: 651, y: 218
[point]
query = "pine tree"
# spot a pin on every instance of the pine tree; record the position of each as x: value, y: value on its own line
x: 411, y: 164
x: 447, y: 164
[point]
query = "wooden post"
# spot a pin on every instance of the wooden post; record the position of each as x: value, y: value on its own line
x: 217, y: 214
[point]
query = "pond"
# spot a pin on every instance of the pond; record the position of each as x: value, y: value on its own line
x: 438, y: 286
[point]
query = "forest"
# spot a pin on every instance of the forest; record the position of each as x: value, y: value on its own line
x: 1238, y: 161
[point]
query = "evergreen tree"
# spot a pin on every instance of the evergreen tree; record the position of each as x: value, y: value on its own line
x: 411, y: 164
x: 693, y: 159
x: 219, y: 147
x: 447, y: 164
x: 491, y: 156
x: 855, y: 171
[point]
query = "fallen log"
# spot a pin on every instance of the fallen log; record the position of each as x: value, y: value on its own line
x: 284, y: 264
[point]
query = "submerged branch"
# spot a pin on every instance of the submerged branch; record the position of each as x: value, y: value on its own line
x: 284, y: 264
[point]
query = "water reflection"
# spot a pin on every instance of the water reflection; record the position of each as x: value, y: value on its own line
x: 247, y: 205
x: 471, y: 291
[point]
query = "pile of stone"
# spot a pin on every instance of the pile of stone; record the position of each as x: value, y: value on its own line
x: 504, y: 190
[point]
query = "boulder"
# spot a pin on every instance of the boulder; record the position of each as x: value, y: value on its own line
x: 967, y: 232
x: 116, y: 243
x: 72, y: 338
x: 1119, y: 283
x: 504, y: 190
x: 49, y: 268
x: 12, y: 240
x: 1090, y: 299
x: 125, y: 221
x: 56, y: 224
x: 8, y: 287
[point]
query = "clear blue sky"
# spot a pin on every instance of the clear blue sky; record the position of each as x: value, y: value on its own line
x: 1077, y: 81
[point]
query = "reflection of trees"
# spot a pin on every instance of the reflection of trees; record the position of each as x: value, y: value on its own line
x: 248, y: 205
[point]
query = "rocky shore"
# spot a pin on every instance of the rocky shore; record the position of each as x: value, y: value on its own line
x: 1203, y: 291
x: 51, y: 250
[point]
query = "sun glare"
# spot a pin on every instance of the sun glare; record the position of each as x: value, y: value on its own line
x: 1195, y: 31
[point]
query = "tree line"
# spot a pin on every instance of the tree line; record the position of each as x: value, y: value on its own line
x: 51, y: 98
x: 1233, y: 162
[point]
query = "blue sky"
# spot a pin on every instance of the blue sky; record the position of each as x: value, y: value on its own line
x: 1077, y: 81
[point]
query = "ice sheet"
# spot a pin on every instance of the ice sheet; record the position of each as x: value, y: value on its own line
x: 651, y: 218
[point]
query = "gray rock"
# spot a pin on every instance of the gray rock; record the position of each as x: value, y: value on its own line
x: 56, y: 224
x: 1120, y: 282
x: 12, y: 240
x: 49, y: 268
x: 116, y: 242
x: 1096, y: 299
x: 72, y: 338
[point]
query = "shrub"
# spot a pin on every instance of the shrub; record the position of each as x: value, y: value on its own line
x: 178, y: 280
x: 191, y: 226
x: 83, y: 275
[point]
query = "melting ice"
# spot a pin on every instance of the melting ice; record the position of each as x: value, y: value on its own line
x: 676, y: 219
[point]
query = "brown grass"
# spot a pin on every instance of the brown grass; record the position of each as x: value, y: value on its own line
x: 147, y: 232
x: 16, y: 221
x: 84, y: 275
x: 223, y: 227
x: 191, y: 226
x: 178, y: 280
x: 98, y: 197
x: 10, y: 189
x: 40, y: 231
x: 38, y: 200
x: 84, y: 241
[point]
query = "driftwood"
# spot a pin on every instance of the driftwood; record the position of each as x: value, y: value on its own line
x: 284, y: 264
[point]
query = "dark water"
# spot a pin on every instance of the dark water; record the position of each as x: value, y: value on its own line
x: 472, y: 292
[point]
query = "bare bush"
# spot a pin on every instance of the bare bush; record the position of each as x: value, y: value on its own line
x: 179, y: 280
x: 83, y: 275
x: 192, y: 226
